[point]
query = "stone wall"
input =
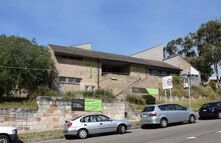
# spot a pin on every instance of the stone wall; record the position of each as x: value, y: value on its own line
x: 52, y: 113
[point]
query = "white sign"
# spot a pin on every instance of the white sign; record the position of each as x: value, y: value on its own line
x: 167, y: 82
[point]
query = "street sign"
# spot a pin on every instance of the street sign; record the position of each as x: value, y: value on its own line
x: 167, y: 82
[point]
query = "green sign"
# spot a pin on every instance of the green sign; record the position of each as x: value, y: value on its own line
x: 153, y: 91
x: 94, y: 105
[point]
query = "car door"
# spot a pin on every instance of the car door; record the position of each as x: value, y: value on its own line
x: 106, y: 124
x: 171, y: 113
x: 182, y: 113
x: 91, y: 124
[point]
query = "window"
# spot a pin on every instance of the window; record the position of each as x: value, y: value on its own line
x: 149, y: 109
x: 178, y: 107
x: 62, y: 79
x: 162, y: 107
x: 102, y: 118
x: 170, y: 107
x: 86, y: 119
x: 70, y: 80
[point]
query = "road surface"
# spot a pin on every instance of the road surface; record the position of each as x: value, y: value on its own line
x: 204, y: 131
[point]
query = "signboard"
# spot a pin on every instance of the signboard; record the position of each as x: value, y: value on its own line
x: 167, y: 82
x: 77, y: 105
x: 139, y: 90
x: 153, y: 91
x: 94, y: 105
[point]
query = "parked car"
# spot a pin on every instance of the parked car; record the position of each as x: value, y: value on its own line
x: 8, y: 134
x: 83, y: 126
x: 163, y: 114
x: 210, y: 110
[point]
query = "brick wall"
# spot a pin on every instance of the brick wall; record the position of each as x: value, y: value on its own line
x: 51, y: 114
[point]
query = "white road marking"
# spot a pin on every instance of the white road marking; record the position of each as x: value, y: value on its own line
x: 190, y: 138
x: 218, y: 132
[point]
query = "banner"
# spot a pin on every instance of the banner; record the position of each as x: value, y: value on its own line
x: 153, y: 91
x: 94, y: 105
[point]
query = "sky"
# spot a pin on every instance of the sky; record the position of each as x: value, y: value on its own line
x: 115, y: 26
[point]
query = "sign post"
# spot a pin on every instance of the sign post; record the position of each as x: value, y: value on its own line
x: 168, y: 84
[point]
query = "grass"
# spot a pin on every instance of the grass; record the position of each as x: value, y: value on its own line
x: 10, y: 103
x: 35, y: 136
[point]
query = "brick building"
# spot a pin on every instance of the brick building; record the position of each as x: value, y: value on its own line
x: 80, y: 68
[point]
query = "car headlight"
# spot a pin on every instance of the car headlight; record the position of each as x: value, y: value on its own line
x: 14, y: 131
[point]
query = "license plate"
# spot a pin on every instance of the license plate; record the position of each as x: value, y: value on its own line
x: 204, y: 110
x: 145, y: 115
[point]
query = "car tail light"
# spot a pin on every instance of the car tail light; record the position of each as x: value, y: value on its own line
x: 153, y: 114
x: 68, y: 124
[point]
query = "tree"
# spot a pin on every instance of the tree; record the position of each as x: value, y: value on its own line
x: 23, y: 64
x: 208, y: 41
x: 202, y: 48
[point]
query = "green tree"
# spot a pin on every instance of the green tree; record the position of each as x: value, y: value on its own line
x: 23, y: 64
x: 202, y: 48
x: 208, y: 41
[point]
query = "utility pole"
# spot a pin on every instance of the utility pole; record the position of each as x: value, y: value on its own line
x: 189, y: 84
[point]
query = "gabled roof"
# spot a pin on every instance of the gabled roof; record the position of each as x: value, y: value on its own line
x: 178, y: 55
x: 72, y: 51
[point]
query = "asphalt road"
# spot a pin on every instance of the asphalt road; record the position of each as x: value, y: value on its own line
x: 206, y: 131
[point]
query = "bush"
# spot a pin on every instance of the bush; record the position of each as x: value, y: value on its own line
x: 42, y: 91
x: 133, y: 99
x: 149, y: 99
x: 99, y: 93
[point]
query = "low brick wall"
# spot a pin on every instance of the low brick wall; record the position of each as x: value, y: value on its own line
x: 51, y: 114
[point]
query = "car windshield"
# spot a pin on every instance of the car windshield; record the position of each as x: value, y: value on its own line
x: 149, y: 109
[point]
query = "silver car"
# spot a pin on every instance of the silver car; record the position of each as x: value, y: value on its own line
x: 83, y: 126
x: 163, y: 114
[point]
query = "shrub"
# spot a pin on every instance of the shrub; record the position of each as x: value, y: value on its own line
x: 133, y: 99
x: 42, y: 91
x: 99, y: 93
x: 149, y: 99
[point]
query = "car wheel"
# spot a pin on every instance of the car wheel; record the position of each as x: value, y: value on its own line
x: 121, y: 129
x: 82, y: 133
x: 192, y: 119
x: 219, y: 115
x: 4, y: 139
x: 163, y: 123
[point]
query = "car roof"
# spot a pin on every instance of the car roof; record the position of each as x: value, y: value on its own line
x: 160, y: 104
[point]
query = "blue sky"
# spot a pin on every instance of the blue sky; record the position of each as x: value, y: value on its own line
x: 116, y: 26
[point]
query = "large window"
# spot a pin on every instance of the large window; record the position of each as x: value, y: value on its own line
x: 70, y: 80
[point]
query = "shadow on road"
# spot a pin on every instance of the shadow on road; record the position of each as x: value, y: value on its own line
x: 158, y: 126
x: 96, y: 135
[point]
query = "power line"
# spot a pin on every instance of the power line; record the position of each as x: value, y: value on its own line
x: 25, y: 68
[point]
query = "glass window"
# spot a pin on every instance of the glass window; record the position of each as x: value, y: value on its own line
x: 62, y: 79
x: 149, y: 109
x: 170, y: 107
x: 71, y: 80
x: 162, y: 107
x: 178, y: 107
x: 103, y: 118
x: 94, y: 118
x: 219, y: 104
x: 86, y: 119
